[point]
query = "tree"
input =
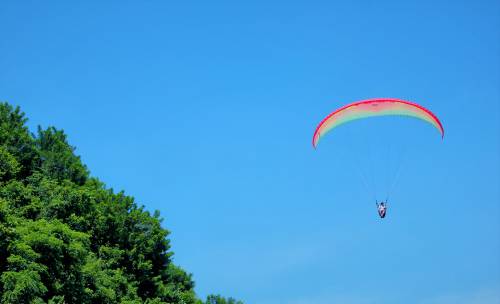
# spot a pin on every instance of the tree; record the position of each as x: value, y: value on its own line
x: 66, y: 238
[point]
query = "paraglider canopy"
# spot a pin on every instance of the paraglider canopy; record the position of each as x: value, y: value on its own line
x: 374, y: 107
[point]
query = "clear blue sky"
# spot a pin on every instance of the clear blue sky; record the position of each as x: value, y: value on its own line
x: 205, y: 110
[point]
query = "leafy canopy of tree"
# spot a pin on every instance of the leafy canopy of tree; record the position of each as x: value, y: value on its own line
x: 66, y: 238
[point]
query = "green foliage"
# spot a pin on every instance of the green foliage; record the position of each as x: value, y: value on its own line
x: 9, y: 167
x: 57, y: 158
x: 106, y: 284
x: 24, y: 286
x: 56, y: 252
x: 217, y: 299
x: 66, y: 238
x: 16, y: 138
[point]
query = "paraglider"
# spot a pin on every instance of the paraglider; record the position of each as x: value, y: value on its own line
x: 381, y: 208
x: 371, y: 108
